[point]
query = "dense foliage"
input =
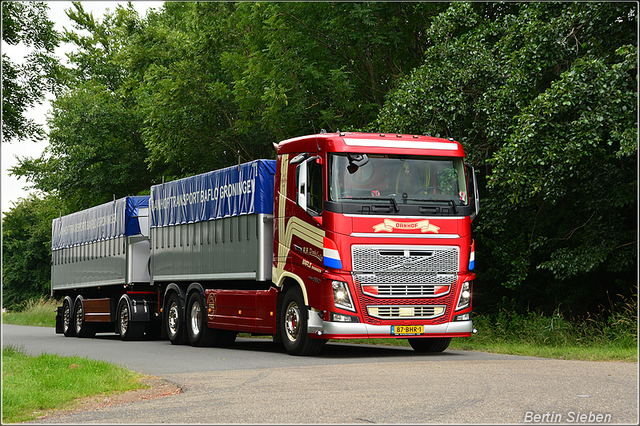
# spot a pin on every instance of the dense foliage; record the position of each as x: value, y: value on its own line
x: 24, y: 84
x: 26, y: 249
x: 543, y: 96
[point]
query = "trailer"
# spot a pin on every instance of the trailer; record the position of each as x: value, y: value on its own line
x: 95, y: 254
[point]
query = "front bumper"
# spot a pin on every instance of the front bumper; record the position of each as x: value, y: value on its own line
x: 346, y: 330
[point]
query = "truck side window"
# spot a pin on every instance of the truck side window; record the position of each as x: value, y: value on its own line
x: 315, y: 187
x: 309, y: 183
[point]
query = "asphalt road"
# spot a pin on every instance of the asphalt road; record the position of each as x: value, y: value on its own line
x: 256, y: 382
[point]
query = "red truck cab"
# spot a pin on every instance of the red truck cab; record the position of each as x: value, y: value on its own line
x: 374, y: 229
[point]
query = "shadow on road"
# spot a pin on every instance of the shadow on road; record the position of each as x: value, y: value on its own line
x: 338, y: 350
x: 332, y: 350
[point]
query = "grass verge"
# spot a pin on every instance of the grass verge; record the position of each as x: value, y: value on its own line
x: 611, y: 337
x: 33, y: 385
x: 38, y: 312
x: 567, y: 351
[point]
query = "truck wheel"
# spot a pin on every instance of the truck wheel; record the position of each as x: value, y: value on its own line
x: 175, y: 328
x: 430, y: 344
x: 67, y: 319
x: 128, y: 329
x: 197, y: 330
x: 293, y: 324
x: 82, y: 329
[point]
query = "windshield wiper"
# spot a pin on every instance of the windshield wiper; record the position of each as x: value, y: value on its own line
x: 393, y: 200
x: 426, y: 200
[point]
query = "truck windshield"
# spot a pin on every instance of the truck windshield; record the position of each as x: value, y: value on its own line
x: 400, y: 178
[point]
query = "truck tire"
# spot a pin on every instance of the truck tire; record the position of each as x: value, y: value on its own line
x: 82, y: 329
x: 293, y: 325
x: 432, y: 344
x: 197, y: 330
x: 68, y: 328
x: 128, y: 330
x: 174, y: 320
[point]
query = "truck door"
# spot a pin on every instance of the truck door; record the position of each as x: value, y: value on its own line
x: 307, y: 233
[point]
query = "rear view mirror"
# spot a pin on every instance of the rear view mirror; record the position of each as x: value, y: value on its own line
x: 472, y: 190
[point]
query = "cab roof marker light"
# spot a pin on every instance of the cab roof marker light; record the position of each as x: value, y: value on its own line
x: 330, y: 254
x: 443, y: 146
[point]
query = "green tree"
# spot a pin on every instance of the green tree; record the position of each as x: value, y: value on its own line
x: 95, y: 146
x: 25, y: 85
x: 182, y: 90
x: 325, y: 65
x: 217, y: 80
x: 26, y: 249
x: 543, y: 97
x: 95, y: 149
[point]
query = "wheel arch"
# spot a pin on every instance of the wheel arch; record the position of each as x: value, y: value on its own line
x: 193, y: 287
x: 288, y: 280
x: 174, y: 288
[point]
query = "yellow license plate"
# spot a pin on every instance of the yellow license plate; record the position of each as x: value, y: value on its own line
x: 407, y: 329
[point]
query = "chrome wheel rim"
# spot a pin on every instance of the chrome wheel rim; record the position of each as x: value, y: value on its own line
x: 196, y: 314
x: 66, y: 316
x: 173, y: 318
x: 79, y: 317
x: 292, y: 321
x: 124, y: 319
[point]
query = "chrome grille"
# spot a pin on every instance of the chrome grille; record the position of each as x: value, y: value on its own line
x: 404, y: 282
x: 406, y: 312
x: 405, y: 291
x: 405, y: 285
x: 405, y: 259
x: 405, y: 271
x: 406, y: 278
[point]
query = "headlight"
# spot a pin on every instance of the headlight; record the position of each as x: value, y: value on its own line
x: 342, y: 296
x: 464, y: 301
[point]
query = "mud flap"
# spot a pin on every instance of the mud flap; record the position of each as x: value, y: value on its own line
x: 59, y: 329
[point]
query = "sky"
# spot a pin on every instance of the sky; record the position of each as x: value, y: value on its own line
x: 13, y: 188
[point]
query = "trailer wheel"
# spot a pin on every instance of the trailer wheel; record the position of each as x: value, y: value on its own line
x: 197, y: 330
x: 430, y: 344
x: 173, y: 318
x: 67, y: 319
x: 82, y: 329
x: 293, y: 323
x: 128, y: 330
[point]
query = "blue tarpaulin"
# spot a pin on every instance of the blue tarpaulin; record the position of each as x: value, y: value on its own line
x: 233, y: 191
x: 103, y: 222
